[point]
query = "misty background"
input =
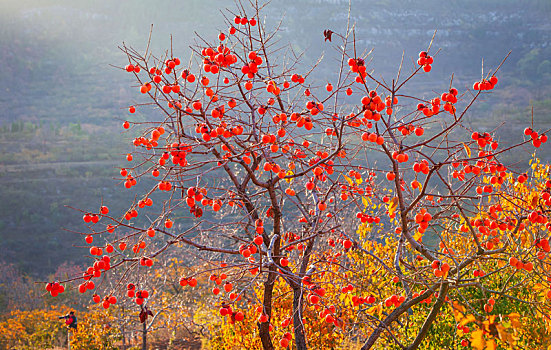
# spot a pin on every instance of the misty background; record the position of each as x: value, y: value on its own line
x: 62, y: 102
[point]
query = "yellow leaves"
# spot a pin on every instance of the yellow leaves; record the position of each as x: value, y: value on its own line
x: 523, y: 238
x: 380, y: 310
x: 346, y: 299
x: 488, y: 324
x: 392, y: 205
x: 478, y: 342
x: 514, y: 318
x: 290, y: 173
x: 505, y: 336
x: 349, y: 180
x: 467, y: 319
x: 540, y: 290
x: 374, y: 309
x: 477, y: 339
x: 467, y: 150
x: 458, y: 310
x: 477, y: 336
x: 490, y: 330
x: 363, y: 230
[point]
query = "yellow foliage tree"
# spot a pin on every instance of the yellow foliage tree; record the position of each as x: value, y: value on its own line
x: 96, y: 331
x: 35, y: 329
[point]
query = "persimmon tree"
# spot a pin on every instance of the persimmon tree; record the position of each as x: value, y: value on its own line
x: 291, y: 192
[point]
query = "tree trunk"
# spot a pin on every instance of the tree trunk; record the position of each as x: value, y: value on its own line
x: 123, y: 331
x: 144, y: 336
x: 298, y: 325
x: 264, y: 328
x: 298, y: 299
x: 394, y: 315
x: 430, y: 318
